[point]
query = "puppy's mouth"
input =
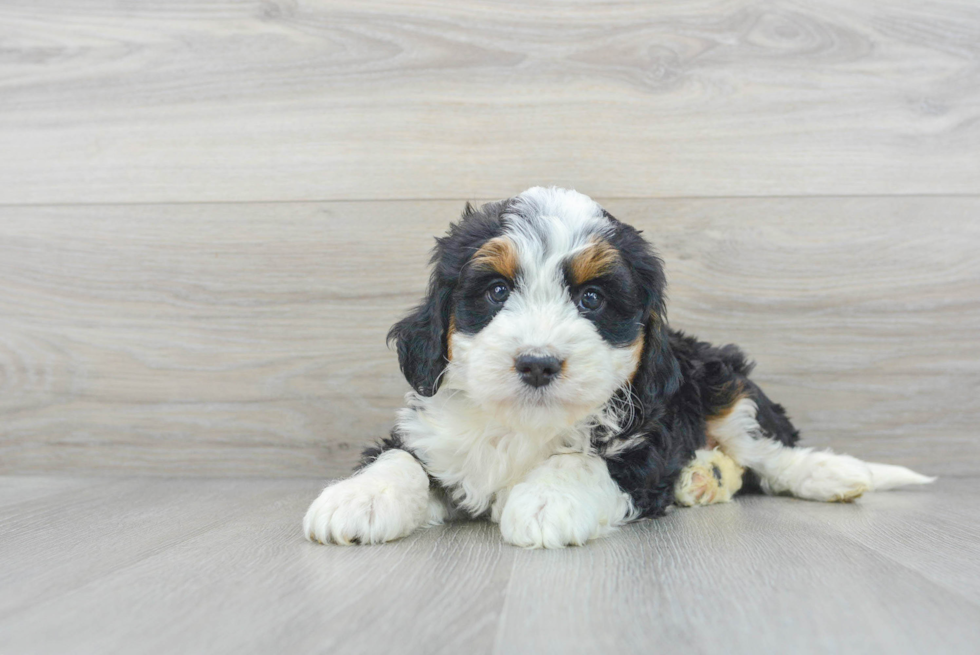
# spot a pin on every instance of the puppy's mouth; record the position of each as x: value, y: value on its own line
x: 543, y: 398
x: 559, y: 395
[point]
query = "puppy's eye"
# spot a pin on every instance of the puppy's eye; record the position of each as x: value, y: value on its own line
x: 591, y: 300
x: 498, y: 292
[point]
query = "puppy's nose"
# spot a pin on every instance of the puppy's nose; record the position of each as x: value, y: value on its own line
x: 537, y: 371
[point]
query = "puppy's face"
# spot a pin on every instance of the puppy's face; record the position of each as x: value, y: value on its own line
x: 547, y: 300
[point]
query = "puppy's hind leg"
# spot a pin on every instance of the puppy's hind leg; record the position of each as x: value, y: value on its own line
x: 711, y: 477
x: 801, y: 472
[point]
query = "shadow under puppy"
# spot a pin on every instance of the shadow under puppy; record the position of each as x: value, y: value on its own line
x: 551, y: 396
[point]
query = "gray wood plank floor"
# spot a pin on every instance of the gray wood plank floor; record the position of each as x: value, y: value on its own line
x: 219, y: 566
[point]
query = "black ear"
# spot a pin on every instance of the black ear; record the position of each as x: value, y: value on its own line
x: 422, y: 336
x: 659, y: 373
x: 421, y: 340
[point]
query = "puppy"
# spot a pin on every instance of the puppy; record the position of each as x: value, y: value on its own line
x: 551, y: 396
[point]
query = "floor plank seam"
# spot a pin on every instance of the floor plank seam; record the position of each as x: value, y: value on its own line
x: 473, y: 198
x: 877, y: 554
x: 499, y: 632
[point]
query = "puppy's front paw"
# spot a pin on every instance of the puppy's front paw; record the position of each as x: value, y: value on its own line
x: 546, y: 516
x: 386, y: 501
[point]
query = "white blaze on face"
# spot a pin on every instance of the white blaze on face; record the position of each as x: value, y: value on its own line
x: 547, y: 228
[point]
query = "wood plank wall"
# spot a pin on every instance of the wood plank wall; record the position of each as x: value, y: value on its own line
x: 211, y: 212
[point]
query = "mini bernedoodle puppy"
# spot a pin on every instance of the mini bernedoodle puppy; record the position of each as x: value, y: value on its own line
x: 551, y: 396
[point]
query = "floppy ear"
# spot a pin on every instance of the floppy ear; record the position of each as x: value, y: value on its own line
x: 659, y: 374
x: 422, y: 336
x: 421, y: 340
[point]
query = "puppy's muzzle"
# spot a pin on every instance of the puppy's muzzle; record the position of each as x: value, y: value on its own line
x: 537, y: 371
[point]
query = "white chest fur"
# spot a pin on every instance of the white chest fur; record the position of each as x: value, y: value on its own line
x: 473, y: 454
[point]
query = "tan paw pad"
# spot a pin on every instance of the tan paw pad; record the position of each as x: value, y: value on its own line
x: 711, y: 477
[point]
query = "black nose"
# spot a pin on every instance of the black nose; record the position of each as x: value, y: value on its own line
x: 537, y: 371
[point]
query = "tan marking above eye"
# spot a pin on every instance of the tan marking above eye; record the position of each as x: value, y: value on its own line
x: 637, y: 353
x: 596, y: 259
x: 500, y: 255
x: 449, y: 337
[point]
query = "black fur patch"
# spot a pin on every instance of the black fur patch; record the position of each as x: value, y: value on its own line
x: 710, y: 380
x: 421, y: 336
x: 473, y: 309
x: 620, y: 318
x: 392, y: 442
x: 680, y: 383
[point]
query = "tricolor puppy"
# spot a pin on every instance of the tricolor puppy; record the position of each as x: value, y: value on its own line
x: 552, y: 397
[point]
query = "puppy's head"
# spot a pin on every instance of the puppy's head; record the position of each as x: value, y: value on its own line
x: 541, y: 308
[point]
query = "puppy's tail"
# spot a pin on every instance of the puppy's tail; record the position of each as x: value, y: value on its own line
x: 887, y: 476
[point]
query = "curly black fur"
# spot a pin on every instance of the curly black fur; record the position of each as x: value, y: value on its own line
x: 711, y: 380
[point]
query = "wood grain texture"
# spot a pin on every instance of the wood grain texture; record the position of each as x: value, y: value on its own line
x: 220, y: 566
x: 209, y: 566
x: 249, y: 339
x: 26, y: 488
x: 306, y: 100
x: 94, y: 531
x: 909, y: 529
x: 756, y: 576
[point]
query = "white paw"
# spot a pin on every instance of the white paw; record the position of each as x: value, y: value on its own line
x: 387, y: 500
x: 541, y: 516
x: 564, y: 502
x: 830, y: 477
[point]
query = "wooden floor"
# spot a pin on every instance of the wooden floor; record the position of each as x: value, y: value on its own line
x: 91, y: 565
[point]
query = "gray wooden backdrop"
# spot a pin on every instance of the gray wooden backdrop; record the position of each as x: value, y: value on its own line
x: 211, y: 212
